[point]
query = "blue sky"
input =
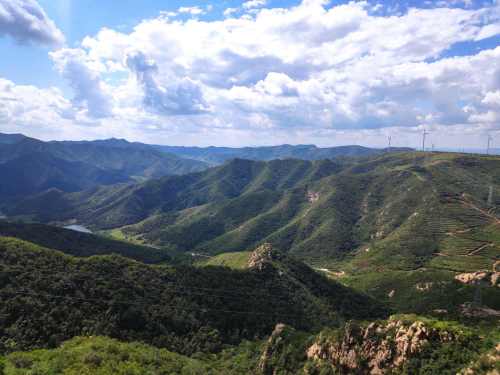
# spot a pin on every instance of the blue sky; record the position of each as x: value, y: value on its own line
x: 260, y: 72
x: 79, y: 18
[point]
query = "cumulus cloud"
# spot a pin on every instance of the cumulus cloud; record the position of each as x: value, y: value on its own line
x: 254, y: 4
x: 27, y: 22
x: 194, y: 11
x: 492, y: 98
x: 181, y: 97
x: 230, y: 11
x: 84, y: 77
x: 32, y: 110
x: 301, y: 74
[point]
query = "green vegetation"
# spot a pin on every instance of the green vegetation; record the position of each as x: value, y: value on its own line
x: 80, y: 244
x: 231, y: 260
x: 104, y: 356
x: 47, y: 297
x: 382, y: 221
x: 285, y: 352
x: 29, y: 166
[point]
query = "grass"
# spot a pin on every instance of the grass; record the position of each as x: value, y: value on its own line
x: 237, y: 260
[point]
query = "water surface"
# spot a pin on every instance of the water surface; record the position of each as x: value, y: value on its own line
x: 78, y: 228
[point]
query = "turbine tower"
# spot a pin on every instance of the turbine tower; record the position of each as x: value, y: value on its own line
x: 424, y: 135
x: 490, y: 138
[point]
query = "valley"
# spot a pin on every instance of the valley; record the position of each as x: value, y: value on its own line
x: 215, y: 261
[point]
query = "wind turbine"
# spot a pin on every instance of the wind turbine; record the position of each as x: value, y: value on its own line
x: 425, y: 133
x: 389, y: 138
x: 490, y: 138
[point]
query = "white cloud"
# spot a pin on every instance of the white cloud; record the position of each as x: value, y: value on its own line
x: 488, y: 31
x: 194, y: 11
x: 230, y: 11
x: 32, y: 110
x: 183, y: 97
x: 83, y: 76
x: 254, y: 4
x: 492, y: 98
x: 309, y: 73
x: 168, y: 14
x: 26, y: 22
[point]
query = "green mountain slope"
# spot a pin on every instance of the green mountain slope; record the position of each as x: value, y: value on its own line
x: 80, y: 244
x: 401, y: 227
x: 128, y: 204
x: 436, y: 348
x: 35, y: 172
x: 29, y: 166
x: 48, y: 297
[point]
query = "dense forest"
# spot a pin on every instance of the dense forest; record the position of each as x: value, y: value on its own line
x: 48, y: 297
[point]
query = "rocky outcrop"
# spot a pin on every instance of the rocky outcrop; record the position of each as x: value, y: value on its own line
x: 262, y: 256
x: 479, y: 277
x: 312, y: 196
x: 377, y: 348
x: 265, y: 366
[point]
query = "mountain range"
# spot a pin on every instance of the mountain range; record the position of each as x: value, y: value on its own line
x: 32, y: 166
x: 219, y: 155
x: 289, y: 265
x: 372, y: 223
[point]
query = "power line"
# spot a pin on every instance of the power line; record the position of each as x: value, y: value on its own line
x: 145, y: 303
x: 177, y: 286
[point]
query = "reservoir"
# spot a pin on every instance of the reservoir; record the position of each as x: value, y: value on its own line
x: 78, y: 228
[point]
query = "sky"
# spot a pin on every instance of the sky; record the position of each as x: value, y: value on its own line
x: 249, y: 73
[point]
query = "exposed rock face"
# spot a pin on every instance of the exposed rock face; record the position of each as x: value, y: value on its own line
x: 424, y: 287
x: 376, y: 349
x: 262, y: 256
x: 312, y: 196
x: 478, y: 277
x: 265, y: 366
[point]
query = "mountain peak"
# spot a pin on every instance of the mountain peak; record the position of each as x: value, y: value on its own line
x: 263, y: 255
x: 11, y: 138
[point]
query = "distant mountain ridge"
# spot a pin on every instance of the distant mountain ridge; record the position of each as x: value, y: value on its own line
x: 218, y: 155
x: 29, y: 166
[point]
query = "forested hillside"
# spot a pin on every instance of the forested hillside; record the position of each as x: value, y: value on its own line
x: 407, y: 228
x: 31, y: 166
x: 48, y: 297
x: 80, y: 244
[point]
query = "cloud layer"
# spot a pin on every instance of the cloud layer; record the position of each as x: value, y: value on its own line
x: 310, y: 73
x: 26, y: 22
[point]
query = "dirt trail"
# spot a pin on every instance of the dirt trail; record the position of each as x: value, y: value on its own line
x: 478, y: 249
x: 486, y: 213
x: 471, y: 253
x: 460, y: 231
